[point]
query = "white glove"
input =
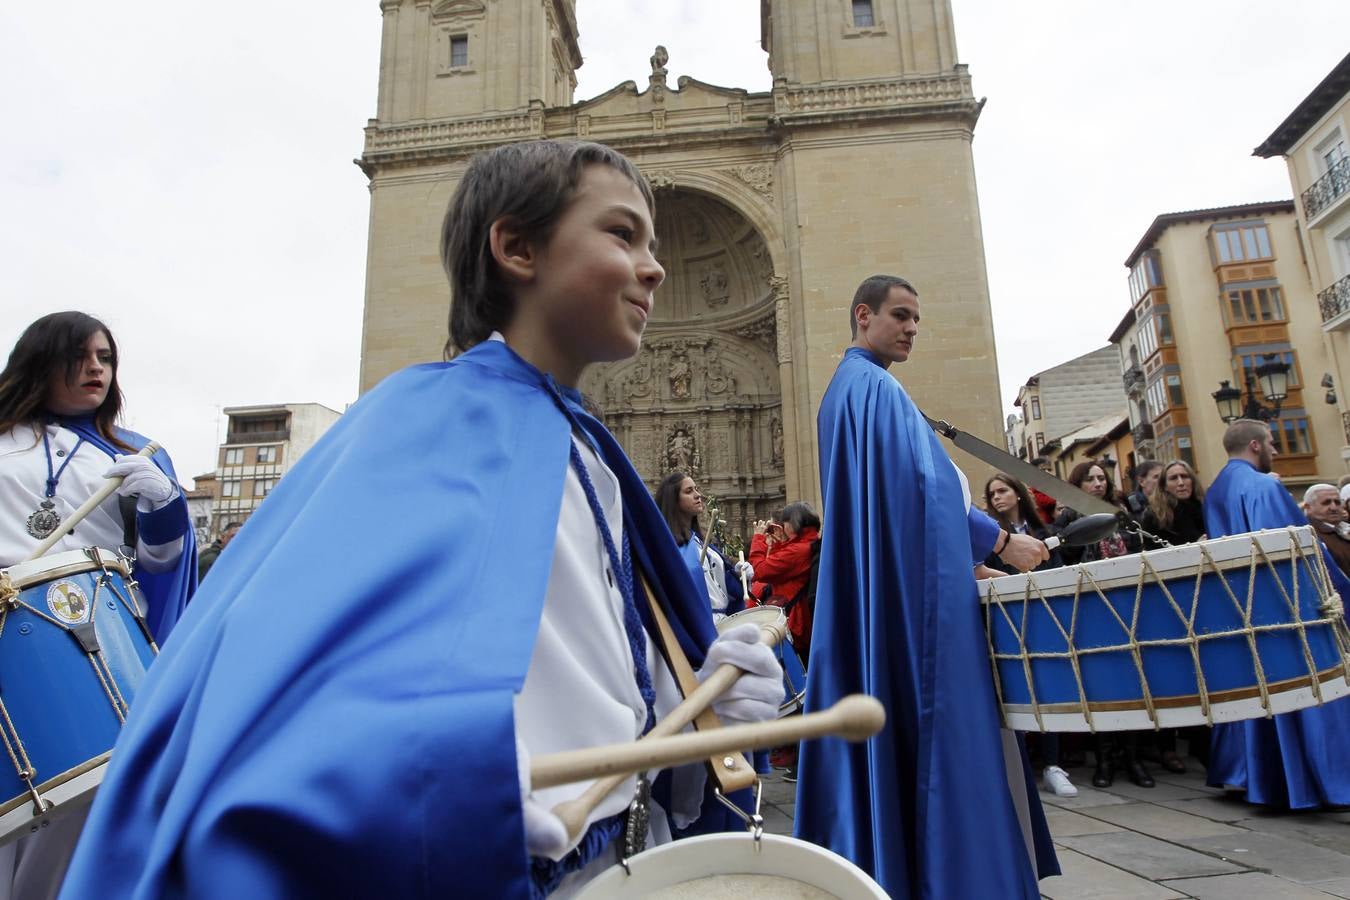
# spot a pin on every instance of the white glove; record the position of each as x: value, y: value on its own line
x: 758, y: 694
x: 545, y: 834
x: 143, y: 480
x: 744, y: 568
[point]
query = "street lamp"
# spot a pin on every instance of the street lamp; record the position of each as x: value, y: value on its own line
x: 1272, y: 376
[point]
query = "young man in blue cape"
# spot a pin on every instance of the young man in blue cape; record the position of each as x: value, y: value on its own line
x: 1295, y: 760
x: 448, y: 583
x: 941, y: 803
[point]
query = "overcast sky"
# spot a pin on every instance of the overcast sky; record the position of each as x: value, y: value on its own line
x: 185, y: 172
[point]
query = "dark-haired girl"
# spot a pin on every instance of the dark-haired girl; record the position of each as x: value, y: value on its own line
x: 59, y: 442
x: 680, y: 502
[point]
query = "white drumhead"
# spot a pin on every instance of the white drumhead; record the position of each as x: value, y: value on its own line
x: 730, y: 865
x: 56, y: 565
x: 755, y: 615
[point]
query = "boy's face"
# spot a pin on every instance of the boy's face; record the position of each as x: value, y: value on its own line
x: 593, y: 283
x: 890, y: 331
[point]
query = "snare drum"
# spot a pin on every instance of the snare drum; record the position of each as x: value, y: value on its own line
x: 1235, y: 628
x: 74, y: 647
x: 730, y: 865
x: 794, y: 675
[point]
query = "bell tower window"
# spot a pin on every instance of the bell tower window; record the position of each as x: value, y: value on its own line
x: 862, y: 14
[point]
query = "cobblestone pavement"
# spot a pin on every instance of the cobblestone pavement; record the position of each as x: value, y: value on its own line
x: 1179, y: 839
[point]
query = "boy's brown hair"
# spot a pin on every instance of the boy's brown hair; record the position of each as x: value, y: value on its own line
x: 531, y: 183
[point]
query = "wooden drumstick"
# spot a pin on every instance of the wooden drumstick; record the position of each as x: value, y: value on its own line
x: 85, y: 509
x: 854, y: 718
x: 745, y: 582
x: 574, y: 812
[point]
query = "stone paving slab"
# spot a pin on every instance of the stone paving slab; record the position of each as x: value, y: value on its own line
x: 1245, y: 886
x: 1149, y: 857
x: 1066, y: 823
x: 1163, y: 791
x: 1085, y: 878
x: 1161, y: 822
x: 1312, y: 827
x: 1339, y: 887
x: 1226, y: 808
x: 1295, y: 860
x: 1087, y: 796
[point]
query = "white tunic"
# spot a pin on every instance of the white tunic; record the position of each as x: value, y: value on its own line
x: 580, y: 689
x: 23, y: 485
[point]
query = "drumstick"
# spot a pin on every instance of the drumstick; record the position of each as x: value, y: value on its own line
x: 854, y: 718
x: 574, y: 812
x: 745, y: 582
x: 85, y: 509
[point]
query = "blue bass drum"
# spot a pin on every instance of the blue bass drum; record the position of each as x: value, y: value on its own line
x: 74, y: 647
x: 1240, y: 627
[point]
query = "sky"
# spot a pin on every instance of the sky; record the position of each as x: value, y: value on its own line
x: 188, y: 178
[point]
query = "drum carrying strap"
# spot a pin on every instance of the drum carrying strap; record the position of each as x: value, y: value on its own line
x: 730, y: 771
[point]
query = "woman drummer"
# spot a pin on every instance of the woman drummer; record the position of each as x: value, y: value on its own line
x: 680, y: 501
x: 59, y: 442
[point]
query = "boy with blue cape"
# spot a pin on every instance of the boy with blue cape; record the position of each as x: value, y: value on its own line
x: 446, y: 585
x: 941, y: 803
x: 1294, y: 760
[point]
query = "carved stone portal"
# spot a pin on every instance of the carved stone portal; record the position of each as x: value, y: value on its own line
x: 702, y: 395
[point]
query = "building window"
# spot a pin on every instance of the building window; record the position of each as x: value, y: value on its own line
x: 199, y: 521
x: 459, y: 51
x: 1174, y: 394
x: 1148, y: 337
x: 1251, y: 306
x: 1331, y: 151
x: 1036, y: 407
x: 1145, y: 275
x: 862, y: 14
x: 229, y: 489
x: 1164, y: 327
x: 1292, y: 436
x: 1040, y: 442
x: 263, y: 486
x: 1185, y: 452
x: 267, y: 454
x: 1240, y: 243
x: 234, y: 457
x: 1249, y: 361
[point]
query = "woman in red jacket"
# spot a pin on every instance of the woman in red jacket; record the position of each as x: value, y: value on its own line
x: 781, y: 556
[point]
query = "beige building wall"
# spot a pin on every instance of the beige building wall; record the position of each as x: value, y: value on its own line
x: 857, y: 162
x: 1201, y: 352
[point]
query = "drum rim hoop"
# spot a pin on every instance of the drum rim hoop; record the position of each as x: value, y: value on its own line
x: 59, y: 566
x: 51, y: 783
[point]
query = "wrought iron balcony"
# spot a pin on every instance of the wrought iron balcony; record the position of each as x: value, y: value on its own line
x: 1324, y: 190
x: 1134, y: 379
x: 1143, y: 433
x: 1336, y: 299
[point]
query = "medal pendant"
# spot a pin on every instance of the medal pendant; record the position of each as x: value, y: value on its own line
x: 639, y: 812
x: 44, y: 520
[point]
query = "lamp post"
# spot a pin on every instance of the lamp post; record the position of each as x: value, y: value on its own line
x: 1272, y: 378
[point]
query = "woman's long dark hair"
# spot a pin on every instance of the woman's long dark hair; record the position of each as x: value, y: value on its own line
x: 1080, y: 474
x: 1030, y: 517
x: 667, y: 499
x: 55, y: 344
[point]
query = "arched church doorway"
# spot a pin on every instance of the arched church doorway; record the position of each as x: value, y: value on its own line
x: 703, y: 394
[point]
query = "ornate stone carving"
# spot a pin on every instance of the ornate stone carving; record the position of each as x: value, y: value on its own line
x: 759, y: 176
x: 761, y: 331
x: 763, y: 262
x: 457, y: 9
x: 776, y: 440
x: 698, y: 229
x: 658, y: 120
x: 679, y: 373
x: 715, y: 285
x: 894, y: 92
x: 661, y: 178
x: 779, y: 285
x: 717, y: 380
x: 658, y: 61
x: 681, y: 451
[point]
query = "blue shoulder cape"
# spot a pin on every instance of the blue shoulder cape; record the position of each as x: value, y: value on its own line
x: 166, y: 593
x: 334, y: 714
x: 925, y: 805
x: 1296, y: 760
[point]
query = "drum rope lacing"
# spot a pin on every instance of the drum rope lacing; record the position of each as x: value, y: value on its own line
x: 1330, y: 608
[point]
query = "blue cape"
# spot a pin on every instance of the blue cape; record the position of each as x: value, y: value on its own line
x: 1296, y: 760
x: 334, y: 715
x: 166, y: 593
x: 924, y: 806
x: 691, y: 552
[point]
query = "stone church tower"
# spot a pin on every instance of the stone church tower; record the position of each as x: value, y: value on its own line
x: 771, y: 208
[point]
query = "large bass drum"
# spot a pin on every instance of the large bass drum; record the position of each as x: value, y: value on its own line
x: 794, y: 674
x: 74, y: 647
x: 734, y: 866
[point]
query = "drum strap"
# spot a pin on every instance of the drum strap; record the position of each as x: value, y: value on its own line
x: 730, y: 771
x: 127, y: 506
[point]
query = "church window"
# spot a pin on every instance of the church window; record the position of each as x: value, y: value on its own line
x: 459, y: 51
x: 862, y: 14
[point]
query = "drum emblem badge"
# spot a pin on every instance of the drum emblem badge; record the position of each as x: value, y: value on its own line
x: 68, y: 603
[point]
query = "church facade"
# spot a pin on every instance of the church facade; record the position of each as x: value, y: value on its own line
x: 771, y: 208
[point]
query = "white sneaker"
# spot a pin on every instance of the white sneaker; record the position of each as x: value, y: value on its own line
x: 1057, y: 780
